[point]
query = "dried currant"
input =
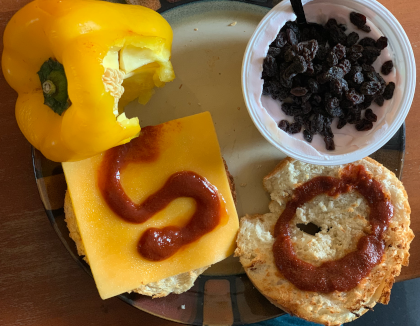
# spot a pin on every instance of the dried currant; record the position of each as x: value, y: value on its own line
x: 358, y: 78
x: 332, y: 103
x: 367, y: 68
x: 370, y: 88
x: 364, y: 125
x: 290, y: 54
x: 370, y: 54
x: 310, y: 71
x: 354, y: 117
x: 306, y: 108
x: 365, y: 28
x: 338, y: 85
x: 336, y: 35
x: 339, y: 50
x: 318, y: 122
x: 389, y: 91
x: 341, y: 123
x: 307, y: 136
x: 287, y: 109
x: 355, y: 69
x: 357, y: 19
x: 387, y: 67
x: 317, y: 69
x: 335, y: 112
x: 332, y: 59
x: 368, y: 100
x: 297, y: 67
x: 346, y: 104
x: 313, y: 85
x: 291, y: 37
x: 270, y: 66
x: 354, y: 97
x: 284, y: 125
x: 370, y: 116
x: 306, y: 97
x: 367, y: 41
x: 322, y: 52
x: 312, y: 47
x: 273, y: 51
x: 299, y: 91
x: 280, y: 40
x: 382, y: 42
x: 354, y: 56
x: 329, y: 143
x: 330, y: 23
x: 317, y: 99
x: 352, y: 38
x: 379, y: 100
x: 295, y: 128
x: 293, y: 26
x: 345, y: 65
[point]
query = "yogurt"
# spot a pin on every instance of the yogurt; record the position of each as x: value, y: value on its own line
x: 267, y: 112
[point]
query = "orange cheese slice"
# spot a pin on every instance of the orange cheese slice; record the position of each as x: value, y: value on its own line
x: 187, y: 144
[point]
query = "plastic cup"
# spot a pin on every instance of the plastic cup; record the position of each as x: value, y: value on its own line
x: 390, y: 117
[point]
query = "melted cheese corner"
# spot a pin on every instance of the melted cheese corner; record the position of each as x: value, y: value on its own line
x: 111, y: 243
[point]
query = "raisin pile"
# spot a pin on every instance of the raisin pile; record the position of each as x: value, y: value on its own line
x: 321, y: 76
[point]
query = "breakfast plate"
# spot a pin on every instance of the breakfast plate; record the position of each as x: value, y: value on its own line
x: 210, y: 38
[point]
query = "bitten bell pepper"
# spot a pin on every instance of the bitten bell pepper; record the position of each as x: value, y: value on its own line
x: 75, y: 64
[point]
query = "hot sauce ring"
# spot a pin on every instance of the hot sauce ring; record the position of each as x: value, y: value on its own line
x: 158, y: 244
x: 345, y: 273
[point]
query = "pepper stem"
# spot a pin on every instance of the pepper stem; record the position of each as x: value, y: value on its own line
x: 54, y: 86
x: 48, y: 87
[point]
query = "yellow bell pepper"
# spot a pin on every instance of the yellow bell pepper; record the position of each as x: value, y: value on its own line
x: 71, y: 60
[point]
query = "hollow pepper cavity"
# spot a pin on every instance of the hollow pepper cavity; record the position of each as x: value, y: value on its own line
x: 75, y: 64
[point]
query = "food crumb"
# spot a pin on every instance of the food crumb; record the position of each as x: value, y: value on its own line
x: 151, y: 4
x: 196, y: 29
x: 259, y: 166
x: 183, y: 306
x: 243, y: 184
x: 239, y: 108
x: 232, y: 24
x: 199, y: 104
x: 180, y: 86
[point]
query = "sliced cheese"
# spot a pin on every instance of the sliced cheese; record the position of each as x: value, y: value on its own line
x: 187, y: 144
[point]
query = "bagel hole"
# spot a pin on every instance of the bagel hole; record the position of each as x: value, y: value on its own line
x: 309, y: 228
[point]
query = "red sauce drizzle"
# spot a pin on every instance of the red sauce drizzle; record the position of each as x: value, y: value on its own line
x: 343, y: 274
x: 158, y: 244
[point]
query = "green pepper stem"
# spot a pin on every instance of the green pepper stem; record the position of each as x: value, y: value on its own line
x: 48, y: 87
x: 54, y: 86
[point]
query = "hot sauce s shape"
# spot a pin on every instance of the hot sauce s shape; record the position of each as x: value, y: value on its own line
x: 158, y: 244
x: 343, y: 274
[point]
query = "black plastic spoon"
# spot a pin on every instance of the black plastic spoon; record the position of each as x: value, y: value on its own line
x: 300, y: 14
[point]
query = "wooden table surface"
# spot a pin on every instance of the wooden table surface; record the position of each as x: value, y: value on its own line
x: 39, y: 282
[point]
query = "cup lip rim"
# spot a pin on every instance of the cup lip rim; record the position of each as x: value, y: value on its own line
x: 404, y: 106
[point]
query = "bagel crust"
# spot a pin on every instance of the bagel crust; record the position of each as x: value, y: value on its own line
x: 342, y: 222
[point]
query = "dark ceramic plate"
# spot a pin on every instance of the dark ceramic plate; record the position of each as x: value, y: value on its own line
x: 204, y: 34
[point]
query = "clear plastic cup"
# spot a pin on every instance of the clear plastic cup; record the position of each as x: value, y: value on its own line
x: 353, y: 145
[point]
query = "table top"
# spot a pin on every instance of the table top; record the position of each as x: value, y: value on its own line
x: 39, y: 282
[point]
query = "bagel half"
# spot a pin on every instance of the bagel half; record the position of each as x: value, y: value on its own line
x: 175, y: 284
x: 342, y: 222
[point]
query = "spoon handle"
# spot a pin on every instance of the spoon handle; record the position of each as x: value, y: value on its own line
x: 298, y: 9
